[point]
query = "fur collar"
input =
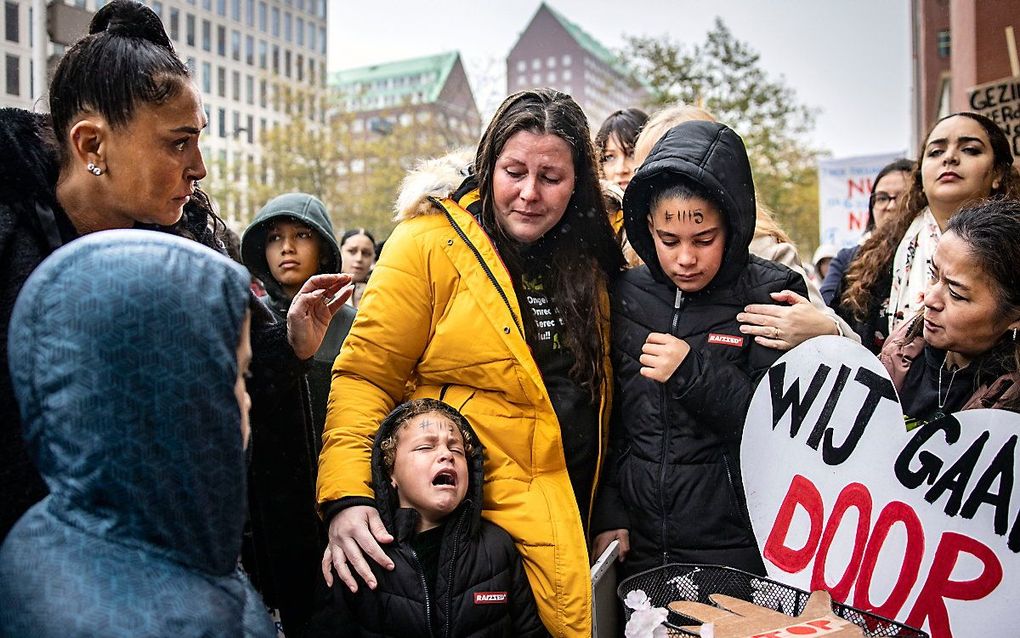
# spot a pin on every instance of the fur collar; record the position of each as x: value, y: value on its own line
x: 437, y: 178
x: 29, y: 162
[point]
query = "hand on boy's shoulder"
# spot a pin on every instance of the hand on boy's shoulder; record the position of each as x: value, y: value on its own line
x: 661, y: 355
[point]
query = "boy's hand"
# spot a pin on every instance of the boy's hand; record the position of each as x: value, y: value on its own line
x: 313, y: 308
x: 353, y: 533
x: 661, y: 355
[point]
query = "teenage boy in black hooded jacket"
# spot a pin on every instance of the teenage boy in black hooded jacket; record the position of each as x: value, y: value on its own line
x: 684, y: 371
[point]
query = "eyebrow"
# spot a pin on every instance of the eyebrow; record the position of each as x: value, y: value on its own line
x: 953, y: 282
x: 190, y: 129
x: 963, y: 139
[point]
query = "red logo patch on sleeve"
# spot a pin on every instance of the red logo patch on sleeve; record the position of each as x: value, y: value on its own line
x: 726, y: 340
x: 490, y: 597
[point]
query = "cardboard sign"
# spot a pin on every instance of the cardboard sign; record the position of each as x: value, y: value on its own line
x: 736, y: 618
x: 917, y: 526
x: 1000, y: 102
x: 844, y: 187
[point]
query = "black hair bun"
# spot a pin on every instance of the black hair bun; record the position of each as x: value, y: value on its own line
x: 130, y: 19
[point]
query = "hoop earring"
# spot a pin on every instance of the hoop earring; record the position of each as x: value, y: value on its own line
x: 95, y: 170
x: 1014, y: 334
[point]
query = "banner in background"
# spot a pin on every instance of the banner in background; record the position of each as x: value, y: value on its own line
x: 1000, y: 102
x: 844, y: 186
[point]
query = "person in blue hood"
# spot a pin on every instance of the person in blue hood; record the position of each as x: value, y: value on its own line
x: 128, y: 351
x: 684, y: 371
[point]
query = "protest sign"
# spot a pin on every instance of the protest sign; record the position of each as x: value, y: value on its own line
x: 917, y: 526
x: 844, y: 186
x: 999, y: 101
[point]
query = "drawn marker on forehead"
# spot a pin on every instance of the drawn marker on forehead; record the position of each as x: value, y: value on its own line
x: 696, y: 215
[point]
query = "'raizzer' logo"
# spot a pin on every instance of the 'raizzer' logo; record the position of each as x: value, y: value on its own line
x: 726, y: 340
x: 490, y: 597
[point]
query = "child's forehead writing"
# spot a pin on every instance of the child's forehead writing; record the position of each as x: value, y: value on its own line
x: 685, y: 215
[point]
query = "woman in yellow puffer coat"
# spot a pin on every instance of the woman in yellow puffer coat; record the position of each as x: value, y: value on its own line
x: 490, y: 296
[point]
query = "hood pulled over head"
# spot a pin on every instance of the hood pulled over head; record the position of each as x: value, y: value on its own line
x: 301, y: 207
x: 710, y: 156
x: 385, y: 494
x: 123, y: 354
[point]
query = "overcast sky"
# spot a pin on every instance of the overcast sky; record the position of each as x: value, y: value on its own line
x: 848, y: 58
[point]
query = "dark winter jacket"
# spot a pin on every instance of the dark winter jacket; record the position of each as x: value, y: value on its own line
x: 32, y: 225
x: 130, y: 412
x: 481, y: 589
x: 673, y: 477
x: 873, y: 328
x: 283, y: 550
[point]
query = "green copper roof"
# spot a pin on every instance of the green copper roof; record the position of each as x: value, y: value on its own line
x: 402, y: 79
x: 587, y: 42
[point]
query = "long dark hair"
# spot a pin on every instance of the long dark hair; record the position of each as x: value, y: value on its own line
x: 580, y: 251
x: 127, y: 60
x: 875, y: 257
x: 625, y: 125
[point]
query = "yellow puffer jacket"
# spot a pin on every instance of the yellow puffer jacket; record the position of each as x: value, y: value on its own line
x: 435, y: 320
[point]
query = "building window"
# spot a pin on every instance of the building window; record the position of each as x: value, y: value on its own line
x: 175, y: 24
x: 288, y: 27
x: 249, y: 50
x: 566, y: 75
x: 206, y: 78
x: 235, y: 45
x: 13, y: 75
x: 286, y: 63
x: 536, y: 79
x: 300, y: 68
x: 251, y: 134
x: 221, y: 119
x: 263, y: 9
x: 221, y: 40
x: 276, y: 59
x: 300, y: 32
x: 522, y: 80
x: 221, y: 7
x: 206, y: 36
x: 522, y: 66
x: 189, y: 29
x: 550, y: 77
x: 157, y: 8
x: 249, y: 89
x: 221, y: 81
x: 249, y: 12
x: 942, y: 43
x: 536, y: 64
x: 322, y: 33
x: 192, y: 65
x: 262, y: 54
x: 311, y: 36
x: 236, y: 84
x: 566, y: 60
x: 11, y: 26
x: 235, y: 10
x: 551, y: 62
x: 276, y: 22
x: 262, y: 96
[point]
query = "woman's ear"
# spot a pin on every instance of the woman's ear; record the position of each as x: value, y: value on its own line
x: 88, y: 140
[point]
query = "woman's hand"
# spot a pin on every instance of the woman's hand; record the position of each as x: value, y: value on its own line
x: 661, y: 355
x: 313, y: 308
x: 354, y: 532
x: 603, y: 540
x: 784, y: 326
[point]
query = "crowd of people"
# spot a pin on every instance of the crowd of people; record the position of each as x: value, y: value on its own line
x: 556, y: 350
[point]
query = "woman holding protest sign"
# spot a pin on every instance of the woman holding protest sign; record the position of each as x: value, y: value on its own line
x: 962, y: 351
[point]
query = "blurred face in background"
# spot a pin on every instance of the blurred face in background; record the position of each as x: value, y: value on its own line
x: 358, y: 257
x: 888, y: 193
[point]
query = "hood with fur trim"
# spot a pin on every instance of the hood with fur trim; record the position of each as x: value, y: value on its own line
x: 29, y: 163
x: 435, y: 178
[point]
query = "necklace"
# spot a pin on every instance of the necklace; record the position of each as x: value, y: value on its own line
x: 949, y: 387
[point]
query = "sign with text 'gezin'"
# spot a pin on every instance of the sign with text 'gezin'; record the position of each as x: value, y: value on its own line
x: 917, y: 526
x: 999, y: 101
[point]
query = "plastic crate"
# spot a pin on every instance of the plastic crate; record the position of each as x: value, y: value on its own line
x: 681, y: 581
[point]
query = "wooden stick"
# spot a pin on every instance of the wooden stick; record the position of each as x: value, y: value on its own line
x: 1014, y: 62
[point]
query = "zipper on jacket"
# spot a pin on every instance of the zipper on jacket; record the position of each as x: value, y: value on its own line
x: 677, y: 305
x: 424, y: 588
x: 481, y: 262
x: 449, y: 580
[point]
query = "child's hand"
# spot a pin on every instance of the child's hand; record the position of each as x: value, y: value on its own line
x: 661, y: 355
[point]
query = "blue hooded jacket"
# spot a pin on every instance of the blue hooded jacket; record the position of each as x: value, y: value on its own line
x: 123, y: 355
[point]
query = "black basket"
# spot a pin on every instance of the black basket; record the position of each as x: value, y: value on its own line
x: 696, y: 583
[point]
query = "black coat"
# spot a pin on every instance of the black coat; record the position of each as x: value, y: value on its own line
x: 874, y: 327
x: 673, y: 474
x: 481, y: 589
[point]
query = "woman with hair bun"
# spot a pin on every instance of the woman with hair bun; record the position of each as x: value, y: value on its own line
x: 119, y: 150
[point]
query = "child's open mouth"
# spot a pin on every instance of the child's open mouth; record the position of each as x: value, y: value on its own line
x: 445, y: 478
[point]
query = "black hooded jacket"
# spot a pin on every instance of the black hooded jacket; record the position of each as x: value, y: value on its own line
x: 33, y: 225
x: 673, y: 474
x: 283, y: 547
x: 481, y: 589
